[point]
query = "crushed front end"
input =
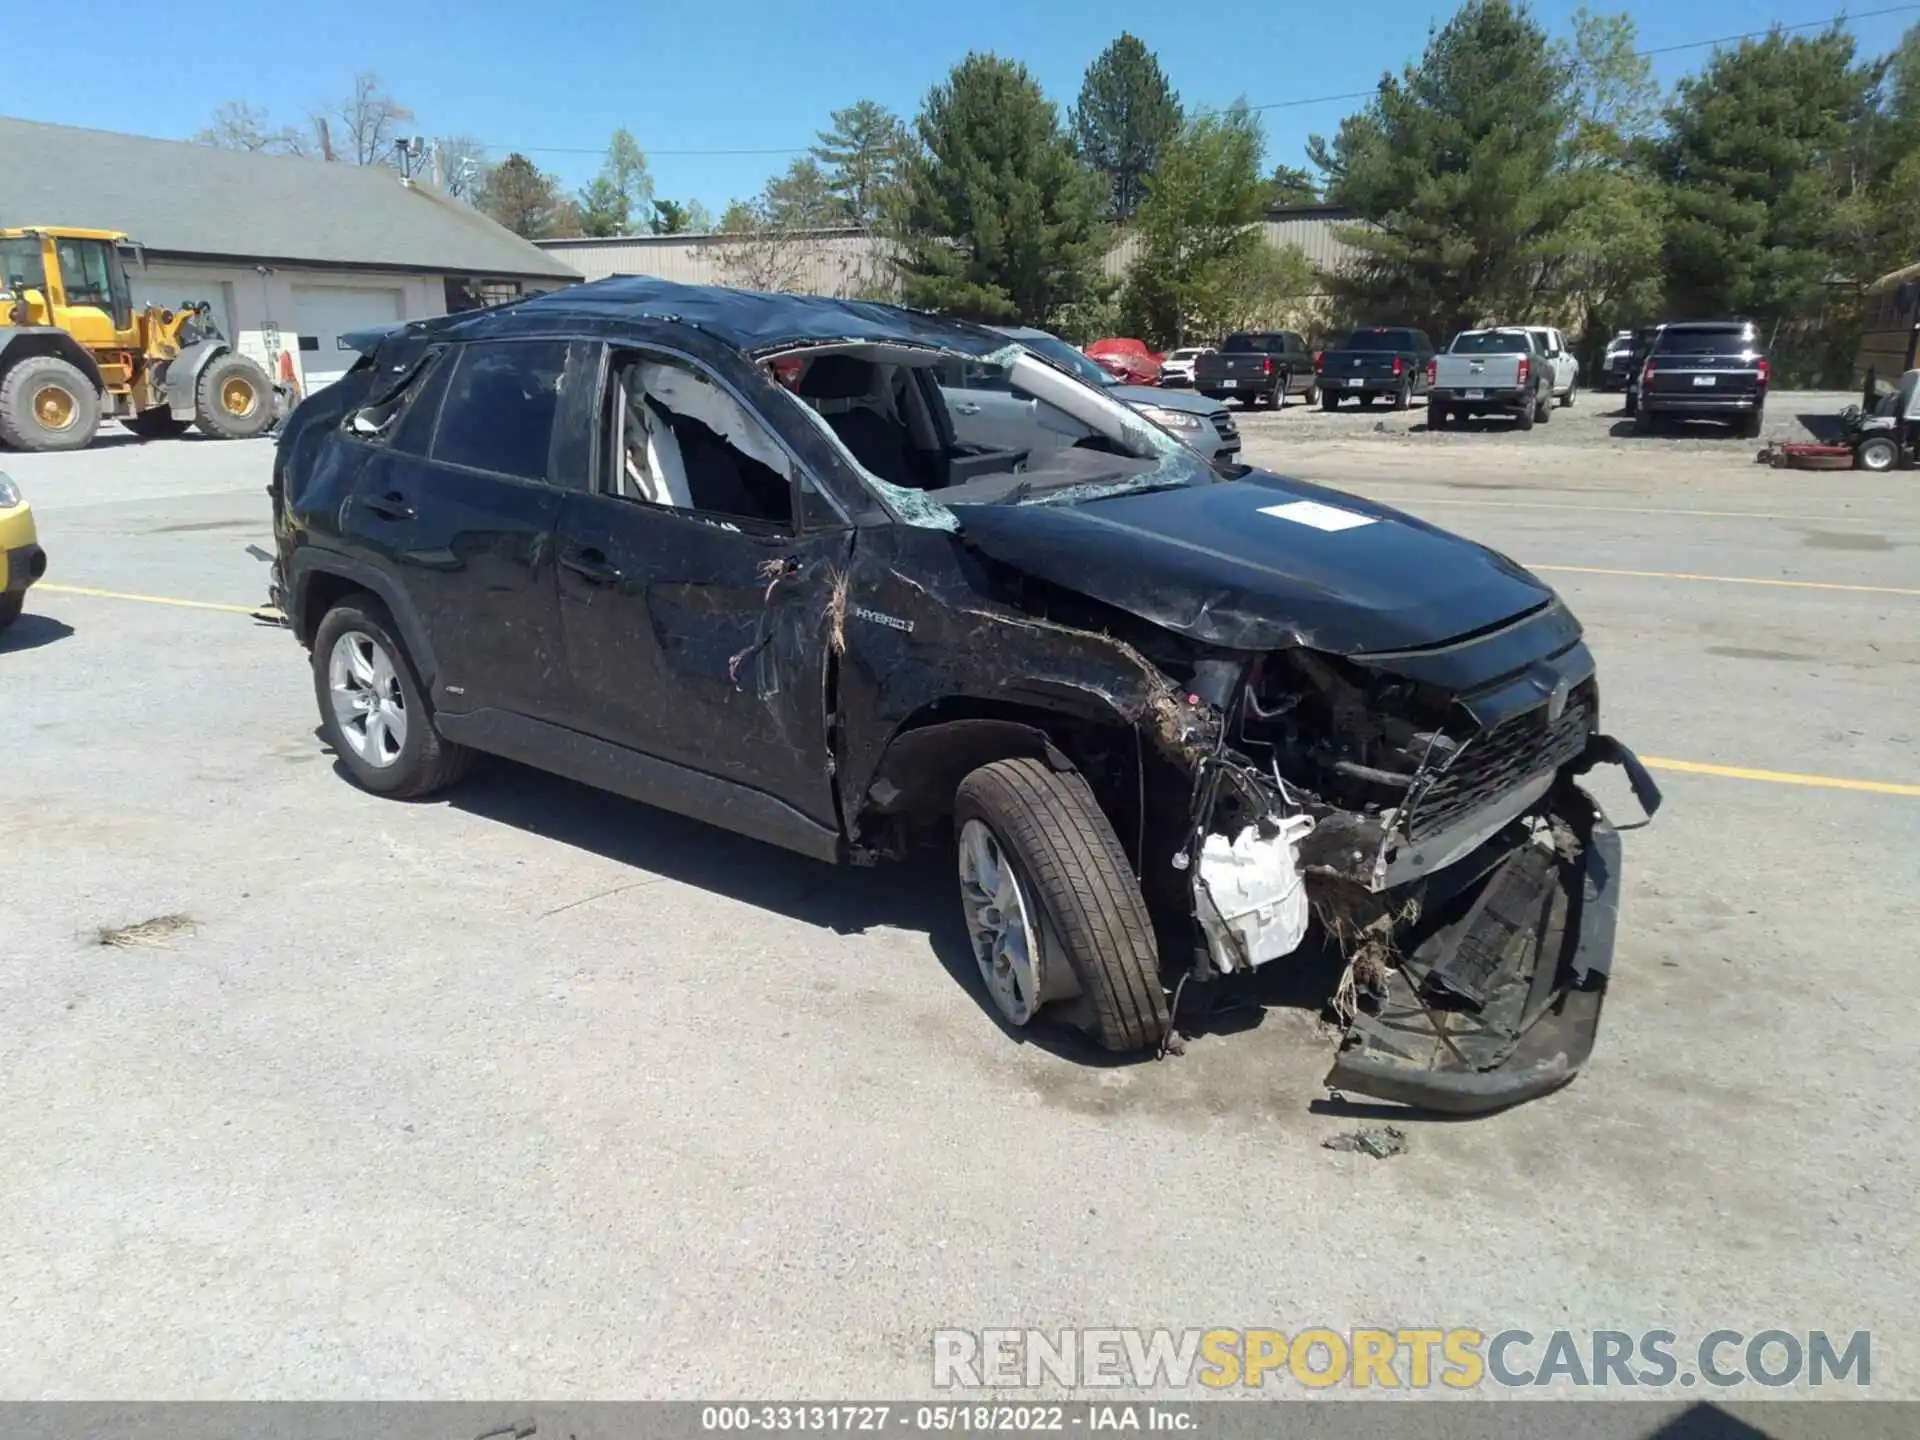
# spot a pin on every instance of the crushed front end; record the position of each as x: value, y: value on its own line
x: 1424, y: 808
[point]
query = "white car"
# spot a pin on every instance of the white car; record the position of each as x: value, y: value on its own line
x: 1561, y: 359
x: 1177, y: 368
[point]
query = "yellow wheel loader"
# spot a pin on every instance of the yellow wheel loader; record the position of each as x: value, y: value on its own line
x: 73, y: 351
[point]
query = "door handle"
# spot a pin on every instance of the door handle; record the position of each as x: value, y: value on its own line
x: 592, y: 566
x: 391, y: 506
x: 966, y: 407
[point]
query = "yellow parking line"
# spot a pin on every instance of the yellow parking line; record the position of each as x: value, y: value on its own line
x: 1725, y: 579
x: 1780, y: 777
x: 148, y: 599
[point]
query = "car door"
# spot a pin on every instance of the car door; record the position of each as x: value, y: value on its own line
x: 697, y: 573
x: 459, y: 506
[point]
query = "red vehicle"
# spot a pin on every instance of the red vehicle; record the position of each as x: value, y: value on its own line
x: 1131, y: 360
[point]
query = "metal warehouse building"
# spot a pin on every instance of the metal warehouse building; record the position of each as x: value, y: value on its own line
x: 289, y: 253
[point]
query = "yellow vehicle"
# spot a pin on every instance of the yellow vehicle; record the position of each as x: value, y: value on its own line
x: 22, y: 561
x: 73, y: 350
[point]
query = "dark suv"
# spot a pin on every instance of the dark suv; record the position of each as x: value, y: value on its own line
x: 726, y: 554
x: 1703, y: 369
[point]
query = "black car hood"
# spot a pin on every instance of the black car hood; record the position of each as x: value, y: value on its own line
x: 1206, y: 562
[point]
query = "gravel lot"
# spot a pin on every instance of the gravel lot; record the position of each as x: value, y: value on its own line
x: 537, y: 1092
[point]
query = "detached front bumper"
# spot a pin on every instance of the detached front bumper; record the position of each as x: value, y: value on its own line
x: 1502, y: 1004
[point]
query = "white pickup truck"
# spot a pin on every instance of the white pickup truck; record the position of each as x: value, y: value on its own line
x: 1490, y: 372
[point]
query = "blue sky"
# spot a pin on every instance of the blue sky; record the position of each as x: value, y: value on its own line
x: 756, y: 75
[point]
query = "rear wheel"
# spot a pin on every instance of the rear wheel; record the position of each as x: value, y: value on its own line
x: 1044, y: 884
x: 1329, y: 400
x: 156, y: 424
x: 47, y: 403
x: 1403, y: 397
x: 1642, y: 422
x: 1876, y: 452
x: 1436, y: 415
x: 1566, y: 400
x: 234, y: 399
x: 1543, y: 412
x: 1524, y: 420
x: 1747, y: 427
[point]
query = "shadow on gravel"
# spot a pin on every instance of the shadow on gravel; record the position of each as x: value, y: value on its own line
x: 919, y: 896
x: 30, y: 632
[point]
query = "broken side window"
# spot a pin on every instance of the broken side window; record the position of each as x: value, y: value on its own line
x: 679, y: 441
x: 380, y: 417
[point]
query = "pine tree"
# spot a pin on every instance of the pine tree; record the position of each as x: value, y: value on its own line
x: 1751, y: 163
x: 521, y: 196
x: 1456, y: 164
x: 1126, y: 113
x: 621, y: 193
x: 861, y: 155
x: 996, y: 218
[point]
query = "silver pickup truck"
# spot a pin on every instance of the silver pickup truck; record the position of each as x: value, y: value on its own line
x: 1491, y: 372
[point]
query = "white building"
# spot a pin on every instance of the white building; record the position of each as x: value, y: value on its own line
x: 290, y: 253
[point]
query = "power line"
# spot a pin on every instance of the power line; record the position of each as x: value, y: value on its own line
x: 1842, y: 18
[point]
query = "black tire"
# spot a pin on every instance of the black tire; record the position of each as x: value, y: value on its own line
x: 1436, y: 415
x: 1877, y: 453
x: 157, y: 424
x: 1329, y: 400
x: 11, y: 604
x: 1077, y: 873
x: 1312, y: 395
x: 233, y: 399
x: 427, y: 762
x: 47, y: 403
x: 1366, y: 402
x: 1524, y: 419
x: 1631, y: 405
x: 1566, y: 400
x: 1403, y: 397
x: 1278, y: 399
x: 1748, y: 426
x: 1543, y: 410
x: 1642, y: 422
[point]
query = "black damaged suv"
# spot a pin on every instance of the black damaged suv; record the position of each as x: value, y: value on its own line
x: 729, y: 554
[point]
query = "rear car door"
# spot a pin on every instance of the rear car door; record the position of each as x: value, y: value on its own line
x: 460, y: 505
x: 697, y: 568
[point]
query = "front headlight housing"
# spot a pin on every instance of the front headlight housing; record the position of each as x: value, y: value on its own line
x: 10, y: 495
x: 1178, y: 421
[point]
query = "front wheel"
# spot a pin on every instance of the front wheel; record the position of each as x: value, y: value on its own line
x: 1051, y: 905
x: 234, y: 398
x: 47, y: 403
x: 373, y: 709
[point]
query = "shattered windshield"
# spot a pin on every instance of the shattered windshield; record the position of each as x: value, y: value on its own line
x: 934, y: 427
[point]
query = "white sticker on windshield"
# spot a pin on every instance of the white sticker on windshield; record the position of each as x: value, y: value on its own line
x: 1320, y: 517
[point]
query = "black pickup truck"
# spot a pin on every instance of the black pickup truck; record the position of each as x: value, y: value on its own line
x: 1704, y: 370
x: 1389, y: 360
x: 1253, y: 366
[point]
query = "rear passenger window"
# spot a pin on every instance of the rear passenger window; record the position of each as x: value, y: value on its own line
x: 500, y: 407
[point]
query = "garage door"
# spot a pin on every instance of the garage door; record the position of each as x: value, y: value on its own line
x: 172, y: 288
x: 324, y: 313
